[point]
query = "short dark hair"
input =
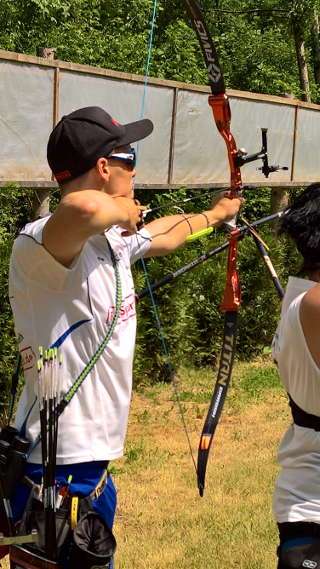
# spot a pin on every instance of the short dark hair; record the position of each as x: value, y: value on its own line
x: 302, y: 223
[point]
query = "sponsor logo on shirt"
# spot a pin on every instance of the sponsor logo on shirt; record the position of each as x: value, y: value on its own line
x: 127, y: 310
x: 310, y: 564
x: 28, y: 358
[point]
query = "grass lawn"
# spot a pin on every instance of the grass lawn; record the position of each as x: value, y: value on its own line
x: 162, y: 522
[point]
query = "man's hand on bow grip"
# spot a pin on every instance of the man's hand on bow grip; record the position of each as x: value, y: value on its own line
x: 226, y: 207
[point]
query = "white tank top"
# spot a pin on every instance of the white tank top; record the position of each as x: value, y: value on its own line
x: 297, y: 491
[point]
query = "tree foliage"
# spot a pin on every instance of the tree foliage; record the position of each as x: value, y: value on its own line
x: 255, y: 42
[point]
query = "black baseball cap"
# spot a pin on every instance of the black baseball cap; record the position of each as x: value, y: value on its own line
x: 83, y: 136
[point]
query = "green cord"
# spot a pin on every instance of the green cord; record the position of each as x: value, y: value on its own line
x: 90, y: 365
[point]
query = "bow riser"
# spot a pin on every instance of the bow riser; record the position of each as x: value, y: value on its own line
x: 222, y: 115
x: 232, y: 293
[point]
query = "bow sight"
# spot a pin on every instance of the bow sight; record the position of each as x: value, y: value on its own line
x: 244, y: 158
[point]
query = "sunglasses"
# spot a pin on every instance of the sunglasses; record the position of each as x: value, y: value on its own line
x: 128, y: 158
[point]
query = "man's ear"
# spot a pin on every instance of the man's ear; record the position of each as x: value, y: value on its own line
x: 103, y: 169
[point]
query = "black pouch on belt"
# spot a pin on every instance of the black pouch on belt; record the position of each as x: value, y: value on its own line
x: 93, y: 542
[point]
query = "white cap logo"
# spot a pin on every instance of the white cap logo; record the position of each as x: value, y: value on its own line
x: 310, y: 564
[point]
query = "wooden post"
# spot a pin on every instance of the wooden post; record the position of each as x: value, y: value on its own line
x: 280, y: 196
x: 40, y: 202
x: 41, y: 196
x: 47, y: 52
x: 279, y: 199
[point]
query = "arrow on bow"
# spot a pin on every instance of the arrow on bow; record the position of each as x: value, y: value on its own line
x: 220, y: 106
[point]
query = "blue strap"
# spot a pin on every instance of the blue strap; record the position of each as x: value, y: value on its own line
x: 296, y: 542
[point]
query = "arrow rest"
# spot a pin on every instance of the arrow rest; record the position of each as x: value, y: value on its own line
x: 244, y: 158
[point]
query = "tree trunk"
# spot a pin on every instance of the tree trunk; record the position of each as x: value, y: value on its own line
x: 316, y: 46
x: 279, y: 196
x: 302, y: 64
x: 279, y: 199
x: 41, y: 196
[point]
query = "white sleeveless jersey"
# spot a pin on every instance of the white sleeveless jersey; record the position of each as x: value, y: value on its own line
x: 297, y: 492
x: 72, y: 308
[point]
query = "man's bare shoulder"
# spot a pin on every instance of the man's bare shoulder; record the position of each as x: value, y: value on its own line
x: 310, y: 321
x: 311, y: 301
x: 70, y: 225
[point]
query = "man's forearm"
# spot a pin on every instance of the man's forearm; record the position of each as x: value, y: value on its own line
x: 171, y: 232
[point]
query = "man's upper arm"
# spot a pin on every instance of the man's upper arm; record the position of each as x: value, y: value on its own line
x: 67, y: 230
x: 161, y: 240
x: 31, y: 262
x: 139, y: 244
x: 80, y: 215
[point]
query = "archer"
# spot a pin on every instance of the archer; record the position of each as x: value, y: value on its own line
x: 71, y: 288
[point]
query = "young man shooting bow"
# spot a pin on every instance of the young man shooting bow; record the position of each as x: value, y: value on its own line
x: 63, y: 289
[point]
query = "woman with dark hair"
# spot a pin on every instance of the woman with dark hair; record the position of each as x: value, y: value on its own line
x: 296, y: 350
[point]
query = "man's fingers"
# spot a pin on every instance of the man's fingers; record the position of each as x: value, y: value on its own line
x: 229, y: 194
x: 142, y: 208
